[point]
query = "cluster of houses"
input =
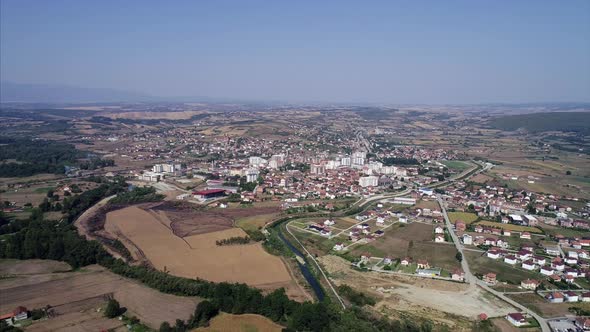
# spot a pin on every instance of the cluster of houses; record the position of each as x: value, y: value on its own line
x: 323, y: 228
x: 557, y: 269
x: 567, y: 296
x: 423, y: 267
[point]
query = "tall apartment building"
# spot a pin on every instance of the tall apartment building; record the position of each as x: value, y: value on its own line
x: 369, y: 181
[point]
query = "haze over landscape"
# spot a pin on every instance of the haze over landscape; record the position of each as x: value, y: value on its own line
x: 382, y: 52
x: 295, y: 166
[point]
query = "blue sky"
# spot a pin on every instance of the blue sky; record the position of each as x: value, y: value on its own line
x: 330, y: 51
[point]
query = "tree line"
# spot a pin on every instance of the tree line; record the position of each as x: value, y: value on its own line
x: 233, y: 240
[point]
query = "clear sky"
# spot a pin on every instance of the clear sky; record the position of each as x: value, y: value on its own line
x: 333, y: 51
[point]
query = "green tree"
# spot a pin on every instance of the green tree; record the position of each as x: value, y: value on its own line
x: 203, y: 313
x: 113, y: 309
x: 459, y: 256
x: 165, y: 327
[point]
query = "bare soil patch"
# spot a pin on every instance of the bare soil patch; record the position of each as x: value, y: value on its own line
x: 413, y: 294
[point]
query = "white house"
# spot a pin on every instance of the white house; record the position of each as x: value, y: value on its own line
x: 539, y: 260
x: 571, y: 296
x: 510, y: 259
x: 528, y: 265
x: 493, y: 254
x: 517, y: 319
x: 403, y: 219
x: 467, y: 239
x: 525, y: 235
x: 380, y: 221
x: 586, y: 297
x: 529, y: 284
x: 439, y: 238
x: 338, y: 246
x: 439, y: 230
x: 546, y: 270
x: 329, y: 222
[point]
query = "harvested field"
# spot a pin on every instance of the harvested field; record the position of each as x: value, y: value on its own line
x: 72, y: 292
x: 32, y: 266
x: 241, y: 323
x: 197, y: 256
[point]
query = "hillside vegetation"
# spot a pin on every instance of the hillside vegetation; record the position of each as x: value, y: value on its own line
x: 538, y: 122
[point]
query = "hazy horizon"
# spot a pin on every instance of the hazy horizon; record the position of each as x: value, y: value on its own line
x: 378, y: 52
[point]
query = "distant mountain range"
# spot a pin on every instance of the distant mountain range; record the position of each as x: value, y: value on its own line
x: 11, y: 92
x: 44, y: 93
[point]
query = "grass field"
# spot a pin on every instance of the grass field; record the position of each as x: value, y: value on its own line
x: 466, y: 217
x: 255, y: 222
x: 414, y: 240
x: 456, y: 165
x: 568, y: 232
x: 241, y: 323
x: 481, y: 265
x: 511, y: 227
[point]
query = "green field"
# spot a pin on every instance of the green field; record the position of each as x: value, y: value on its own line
x: 466, y: 217
x: 456, y: 165
x: 43, y: 190
x: 481, y: 265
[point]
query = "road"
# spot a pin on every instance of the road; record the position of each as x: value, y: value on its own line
x: 473, y: 281
x: 469, y: 277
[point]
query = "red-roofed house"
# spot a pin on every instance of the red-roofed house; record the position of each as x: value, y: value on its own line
x: 517, y: 319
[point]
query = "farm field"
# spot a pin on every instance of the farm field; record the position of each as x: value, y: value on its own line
x: 32, y: 266
x: 241, y: 323
x: 546, y: 309
x: 414, y: 240
x: 511, y: 227
x: 481, y: 265
x: 73, y: 292
x: 196, y: 256
x: 466, y: 217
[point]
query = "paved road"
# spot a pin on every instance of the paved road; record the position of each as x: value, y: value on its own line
x: 469, y: 277
x: 542, y: 321
x: 473, y: 281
